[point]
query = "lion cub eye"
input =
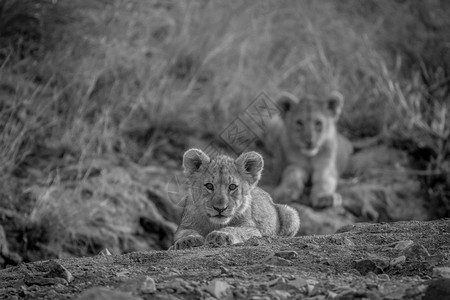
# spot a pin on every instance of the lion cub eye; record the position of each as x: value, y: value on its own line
x: 318, y: 125
x: 209, y: 186
x: 232, y: 187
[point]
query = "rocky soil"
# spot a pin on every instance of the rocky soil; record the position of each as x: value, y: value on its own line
x: 402, y: 260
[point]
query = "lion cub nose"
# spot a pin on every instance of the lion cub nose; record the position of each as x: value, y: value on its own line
x: 308, y: 143
x: 219, y: 209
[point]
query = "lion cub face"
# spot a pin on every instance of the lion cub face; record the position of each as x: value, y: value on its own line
x: 310, y: 121
x: 221, y: 186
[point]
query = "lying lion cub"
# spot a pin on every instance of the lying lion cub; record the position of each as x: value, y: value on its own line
x: 225, y: 206
x: 312, y: 149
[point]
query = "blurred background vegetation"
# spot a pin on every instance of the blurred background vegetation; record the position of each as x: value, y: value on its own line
x: 99, y: 99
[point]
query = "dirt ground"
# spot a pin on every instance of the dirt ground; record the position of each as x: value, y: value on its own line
x: 402, y: 260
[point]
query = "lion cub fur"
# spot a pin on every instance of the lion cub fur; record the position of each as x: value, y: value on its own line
x: 313, y: 152
x: 224, y: 205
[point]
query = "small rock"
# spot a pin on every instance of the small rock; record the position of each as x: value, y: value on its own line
x: 416, y: 252
x: 180, y: 286
x: 374, y: 295
x: 57, y: 274
x: 278, y: 261
x: 288, y: 254
x: 148, y: 285
x: 56, y: 270
x: 402, y: 245
x: 331, y: 295
x: 438, y: 289
x: 260, y: 298
x: 415, y: 292
x: 353, y: 271
x: 366, y: 265
x: 348, y: 294
x: 395, y: 295
x: 218, y: 288
x: 104, y: 252
x: 280, y: 294
x: 298, y: 282
x: 441, y: 272
x: 397, y: 261
x: 346, y: 228
x: 42, y: 281
x: 371, y: 275
x: 384, y: 277
x: 278, y: 280
x: 102, y: 293
x: 311, y: 287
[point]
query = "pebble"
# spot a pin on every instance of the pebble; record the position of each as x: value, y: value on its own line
x: 402, y: 245
x: 148, y: 285
x: 438, y: 289
x: 56, y: 274
x: 345, y: 295
x: 40, y: 280
x: 441, y: 272
x: 56, y: 270
x: 102, y: 293
x: 277, y: 294
x: 384, y: 277
x: 397, y: 261
x: 299, y: 282
x: 346, y: 228
x: 278, y: 261
x: 218, y: 288
x: 372, y: 276
x: 276, y: 281
x: 374, y: 295
x: 395, y: 295
x: 365, y: 266
x: 416, y: 252
x: 288, y: 254
x: 415, y: 292
x: 104, y: 252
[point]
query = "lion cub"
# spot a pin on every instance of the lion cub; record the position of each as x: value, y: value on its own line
x: 312, y: 149
x: 225, y: 206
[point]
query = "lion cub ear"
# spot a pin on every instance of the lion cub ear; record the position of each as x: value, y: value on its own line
x: 335, y: 103
x: 193, y: 161
x: 250, y: 165
x: 286, y: 101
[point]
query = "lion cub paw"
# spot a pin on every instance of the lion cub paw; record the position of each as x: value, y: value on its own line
x: 188, y: 242
x: 220, y: 238
x: 332, y: 200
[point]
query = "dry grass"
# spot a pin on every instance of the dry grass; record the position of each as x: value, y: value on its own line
x: 131, y: 80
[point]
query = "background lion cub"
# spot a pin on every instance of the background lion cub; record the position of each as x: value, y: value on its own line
x: 314, y: 152
x: 225, y: 206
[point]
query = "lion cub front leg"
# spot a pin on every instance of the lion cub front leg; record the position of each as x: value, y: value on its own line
x: 231, y: 235
x: 323, y: 193
x: 187, y: 238
x: 291, y: 186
